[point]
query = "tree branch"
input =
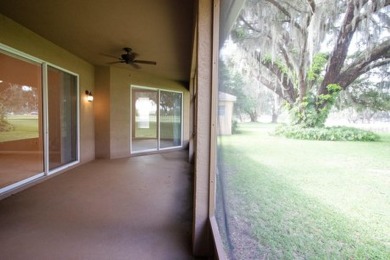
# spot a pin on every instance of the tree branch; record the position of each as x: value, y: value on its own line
x: 286, y: 83
x: 340, y: 50
x: 289, y: 62
x: 277, y: 90
x: 312, y: 5
x: 304, y: 53
x: 357, y: 20
x: 365, y: 62
x: 248, y: 24
x: 285, y: 12
x: 349, y: 76
x: 339, y: 54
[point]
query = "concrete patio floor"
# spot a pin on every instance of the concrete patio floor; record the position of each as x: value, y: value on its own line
x: 131, y: 208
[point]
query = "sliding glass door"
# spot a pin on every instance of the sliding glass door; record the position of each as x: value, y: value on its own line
x: 21, y: 135
x: 156, y: 119
x: 38, y: 119
x: 62, y: 114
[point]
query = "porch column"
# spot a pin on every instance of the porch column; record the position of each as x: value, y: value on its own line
x: 206, y: 53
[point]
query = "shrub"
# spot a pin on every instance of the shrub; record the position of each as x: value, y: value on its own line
x: 5, y: 126
x: 235, y: 127
x: 338, y: 133
x: 313, y: 110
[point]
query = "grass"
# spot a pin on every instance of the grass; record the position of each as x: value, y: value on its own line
x: 167, y: 130
x: 307, y: 199
x: 26, y: 127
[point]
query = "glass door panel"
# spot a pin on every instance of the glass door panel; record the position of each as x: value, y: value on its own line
x: 170, y: 119
x: 62, y: 114
x: 21, y: 135
x: 144, y: 119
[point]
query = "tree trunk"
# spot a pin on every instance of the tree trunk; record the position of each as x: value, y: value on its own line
x: 274, y: 118
x: 253, y: 116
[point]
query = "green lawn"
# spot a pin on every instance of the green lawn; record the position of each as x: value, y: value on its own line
x: 299, y: 199
x: 26, y: 127
x: 167, y: 130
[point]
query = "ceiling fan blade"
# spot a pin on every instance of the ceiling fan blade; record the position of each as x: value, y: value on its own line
x: 146, y: 62
x: 136, y: 66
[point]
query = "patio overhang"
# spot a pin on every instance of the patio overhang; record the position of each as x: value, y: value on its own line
x: 156, y: 30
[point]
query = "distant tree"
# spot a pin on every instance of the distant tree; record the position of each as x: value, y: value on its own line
x: 310, y: 50
x: 16, y: 99
x: 237, y: 77
x: 170, y: 103
x: 367, y: 98
x: 19, y: 99
x: 5, y: 126
x: 232, y: 83
x: 252, y: 99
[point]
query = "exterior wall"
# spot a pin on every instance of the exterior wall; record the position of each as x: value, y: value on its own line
x: 225, y: 120
x: 24, y: 40
x: 225, y: 113
x: 119, y: 113
x: 102, y: 112
x: 113, y: 97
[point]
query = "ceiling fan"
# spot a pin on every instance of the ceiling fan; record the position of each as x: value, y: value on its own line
x: 129, y: 58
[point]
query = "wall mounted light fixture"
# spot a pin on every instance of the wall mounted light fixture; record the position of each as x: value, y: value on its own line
x: 89, y: 96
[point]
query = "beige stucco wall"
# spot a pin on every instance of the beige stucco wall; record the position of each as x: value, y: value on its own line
x: 17, y: 37
x: 112, y: 107
x: 225, y: 121
x: 102, y: 112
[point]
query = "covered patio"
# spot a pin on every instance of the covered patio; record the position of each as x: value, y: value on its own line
x: 130, y: 208
x: 105, y: 201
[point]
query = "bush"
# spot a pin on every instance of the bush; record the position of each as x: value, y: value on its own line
x: 235, y: 127
x: 338, y: 133
x: 5, y: 126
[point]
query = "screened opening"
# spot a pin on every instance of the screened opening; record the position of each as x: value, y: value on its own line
x: 304, y: 171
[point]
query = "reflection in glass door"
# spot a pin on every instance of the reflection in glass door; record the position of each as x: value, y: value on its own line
x: 144, y: 109
x: 156, y: 119
x: 170, y: 119
x: 21, y: 135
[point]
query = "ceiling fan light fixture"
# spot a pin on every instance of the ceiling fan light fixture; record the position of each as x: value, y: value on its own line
x: 129, y: 58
